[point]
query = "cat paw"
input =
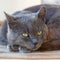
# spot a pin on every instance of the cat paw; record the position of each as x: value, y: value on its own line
x: 13, y: 48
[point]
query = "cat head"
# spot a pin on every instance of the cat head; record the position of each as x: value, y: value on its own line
x: 27, y: 29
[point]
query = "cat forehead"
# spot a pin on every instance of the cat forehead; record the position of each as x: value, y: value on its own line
x: 26, y: 16
x: 24, y: 13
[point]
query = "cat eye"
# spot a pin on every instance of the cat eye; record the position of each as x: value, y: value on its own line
x: 39, y: 32
x: 25, y: 34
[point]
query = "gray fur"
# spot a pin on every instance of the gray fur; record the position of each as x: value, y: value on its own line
x: 29, y: 22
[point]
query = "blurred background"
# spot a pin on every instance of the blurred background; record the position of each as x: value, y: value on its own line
x: 10, y: 6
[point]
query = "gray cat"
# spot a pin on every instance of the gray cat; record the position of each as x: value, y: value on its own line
x: 25, y: 30
x: 28, y: 31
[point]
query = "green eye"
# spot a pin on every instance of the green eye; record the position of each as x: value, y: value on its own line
x: 25, y: 34
x: 39, y: 32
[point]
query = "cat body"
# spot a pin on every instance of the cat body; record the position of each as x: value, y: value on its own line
x: 33, y: 29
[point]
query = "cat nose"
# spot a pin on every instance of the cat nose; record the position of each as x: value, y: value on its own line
x: 35, y: 42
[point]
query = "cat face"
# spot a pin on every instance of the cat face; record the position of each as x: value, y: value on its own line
x: 27, y: 30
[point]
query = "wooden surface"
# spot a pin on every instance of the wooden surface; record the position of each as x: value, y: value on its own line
x: 53, y: 55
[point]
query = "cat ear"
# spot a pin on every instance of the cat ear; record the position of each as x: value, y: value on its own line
x: 42, y: 13
x: 9, y: 17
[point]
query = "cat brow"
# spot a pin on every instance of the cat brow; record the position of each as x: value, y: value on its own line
x: 26, y: 27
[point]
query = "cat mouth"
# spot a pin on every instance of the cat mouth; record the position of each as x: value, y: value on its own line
x: 35, y: 47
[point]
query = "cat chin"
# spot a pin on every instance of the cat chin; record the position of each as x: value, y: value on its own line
x: 37, y: 46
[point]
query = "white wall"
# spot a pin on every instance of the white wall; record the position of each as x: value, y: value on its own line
x: 11, y: 6
x: 51, y: 2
